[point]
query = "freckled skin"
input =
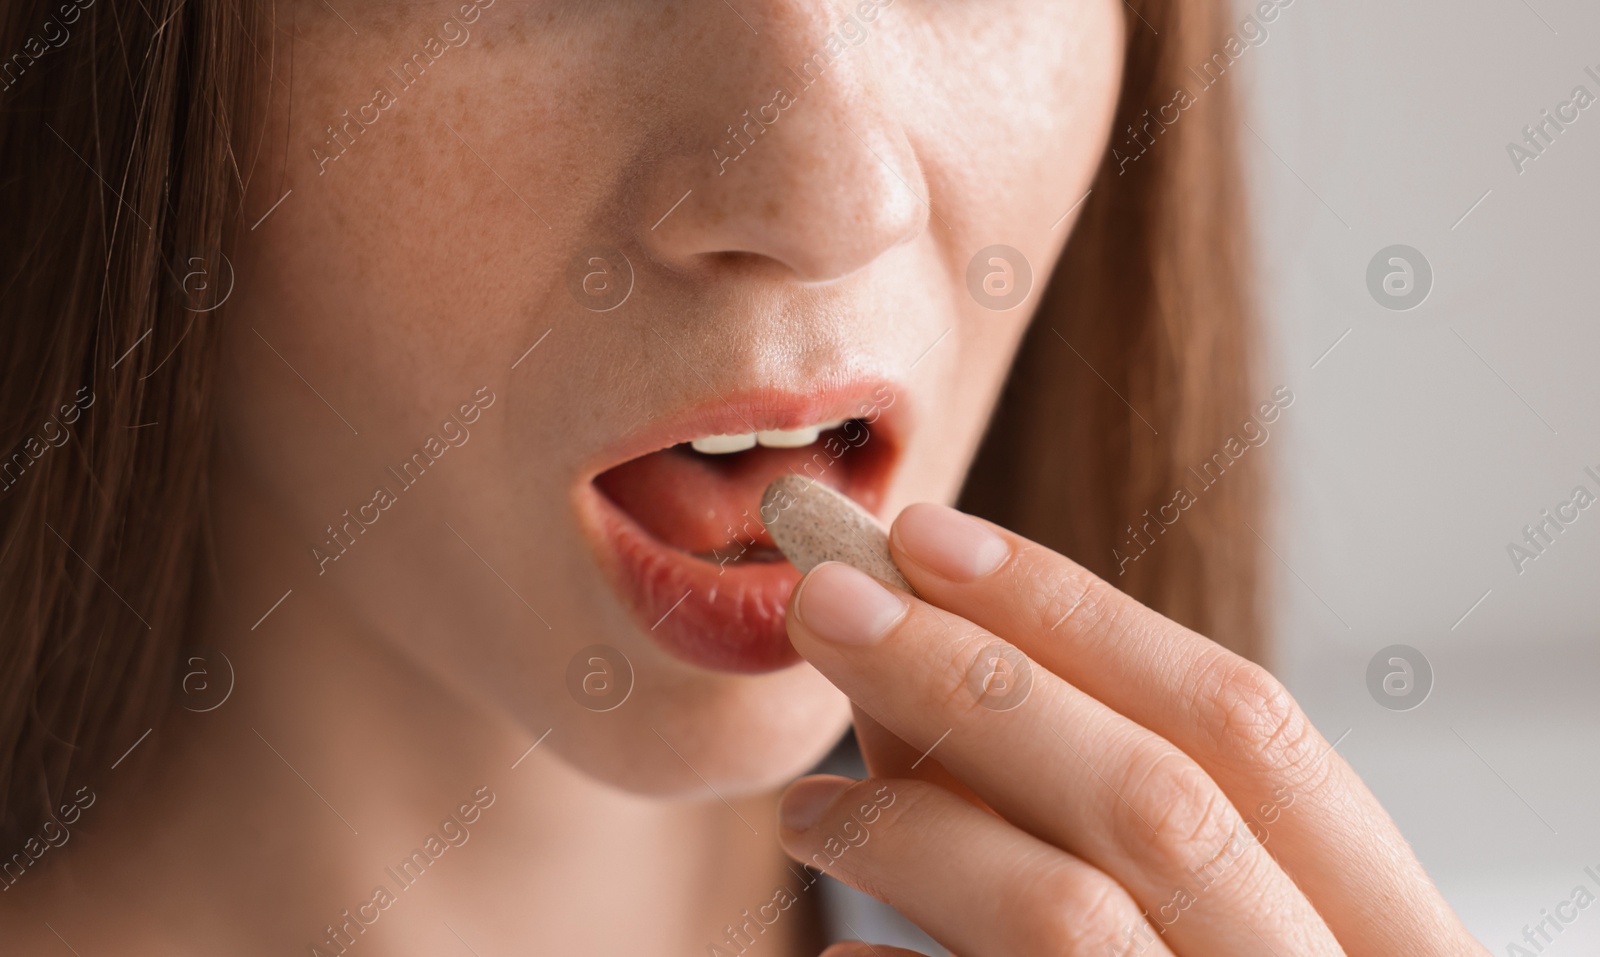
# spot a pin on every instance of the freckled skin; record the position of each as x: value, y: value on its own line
x: 416, y: 266
x: 425, y: 261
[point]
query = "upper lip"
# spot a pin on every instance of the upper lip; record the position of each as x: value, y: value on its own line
x: 763, y: 409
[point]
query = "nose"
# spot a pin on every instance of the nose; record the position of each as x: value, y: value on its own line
x: 803, y: 167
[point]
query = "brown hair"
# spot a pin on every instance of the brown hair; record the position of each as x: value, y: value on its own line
x: 116, y: 128
x: 121, y: 181
x: 1137, y: 367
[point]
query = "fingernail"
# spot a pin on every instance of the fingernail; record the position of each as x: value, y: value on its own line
x: 806, y: 799
x: 949, y: 544
x: 841, y: 604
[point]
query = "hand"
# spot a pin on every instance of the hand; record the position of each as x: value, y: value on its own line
x: 1150, y: 793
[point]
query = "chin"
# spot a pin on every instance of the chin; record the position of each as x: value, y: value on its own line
x: 742, y: 735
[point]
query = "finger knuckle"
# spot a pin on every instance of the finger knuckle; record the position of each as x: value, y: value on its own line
x: 956, y: 685
x: 1256, y: 726
x: 842, y: 844
x: 1069, y: 600
x: 878, y: 803
x: 1066, y: 911
x: 1033, y: 564
x: 1173, y: 816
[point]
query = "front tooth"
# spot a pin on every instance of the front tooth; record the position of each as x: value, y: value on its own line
x: 723, y: 444
x: 788, y: 438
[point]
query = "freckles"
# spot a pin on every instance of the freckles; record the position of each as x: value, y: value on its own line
x: 401, y: 138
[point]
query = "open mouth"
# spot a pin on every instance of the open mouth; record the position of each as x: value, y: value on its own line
x: 681, y: 533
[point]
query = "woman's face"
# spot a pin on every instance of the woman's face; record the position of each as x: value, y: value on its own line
x: 519, y: 255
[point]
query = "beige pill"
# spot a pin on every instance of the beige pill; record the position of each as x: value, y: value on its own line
x: 812, y: 523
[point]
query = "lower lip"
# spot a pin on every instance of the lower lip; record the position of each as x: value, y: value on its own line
x: 721, y: 617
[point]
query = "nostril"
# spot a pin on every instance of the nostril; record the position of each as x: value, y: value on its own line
x: 821, y: 196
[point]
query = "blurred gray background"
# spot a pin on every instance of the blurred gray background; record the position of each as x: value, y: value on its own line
x: 1423, y: 441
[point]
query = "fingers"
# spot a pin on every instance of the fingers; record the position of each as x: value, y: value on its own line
x: 973, y: 882
x: 1297, y: 795
x: 886, y: 756
x: 1056, y: 763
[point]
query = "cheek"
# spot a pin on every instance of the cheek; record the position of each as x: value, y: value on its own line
x: 370, y: 256
x: 402, y: 273
x: 1020, y: 128
x: 1010, y: 142
x: 1014, y: 143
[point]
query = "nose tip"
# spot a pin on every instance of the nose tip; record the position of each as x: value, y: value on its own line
x: 812, y: 192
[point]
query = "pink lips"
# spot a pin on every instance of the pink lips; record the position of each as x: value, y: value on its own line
x: 679, y: 534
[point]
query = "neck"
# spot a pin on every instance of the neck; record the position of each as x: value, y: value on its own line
x: 343, y: 801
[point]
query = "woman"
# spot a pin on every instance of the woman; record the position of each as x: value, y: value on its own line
x: 403, y: 380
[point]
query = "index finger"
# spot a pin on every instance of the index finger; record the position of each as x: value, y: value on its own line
x: 1228, y: 714
x: 887, y: 755
x: 1050, y: 759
